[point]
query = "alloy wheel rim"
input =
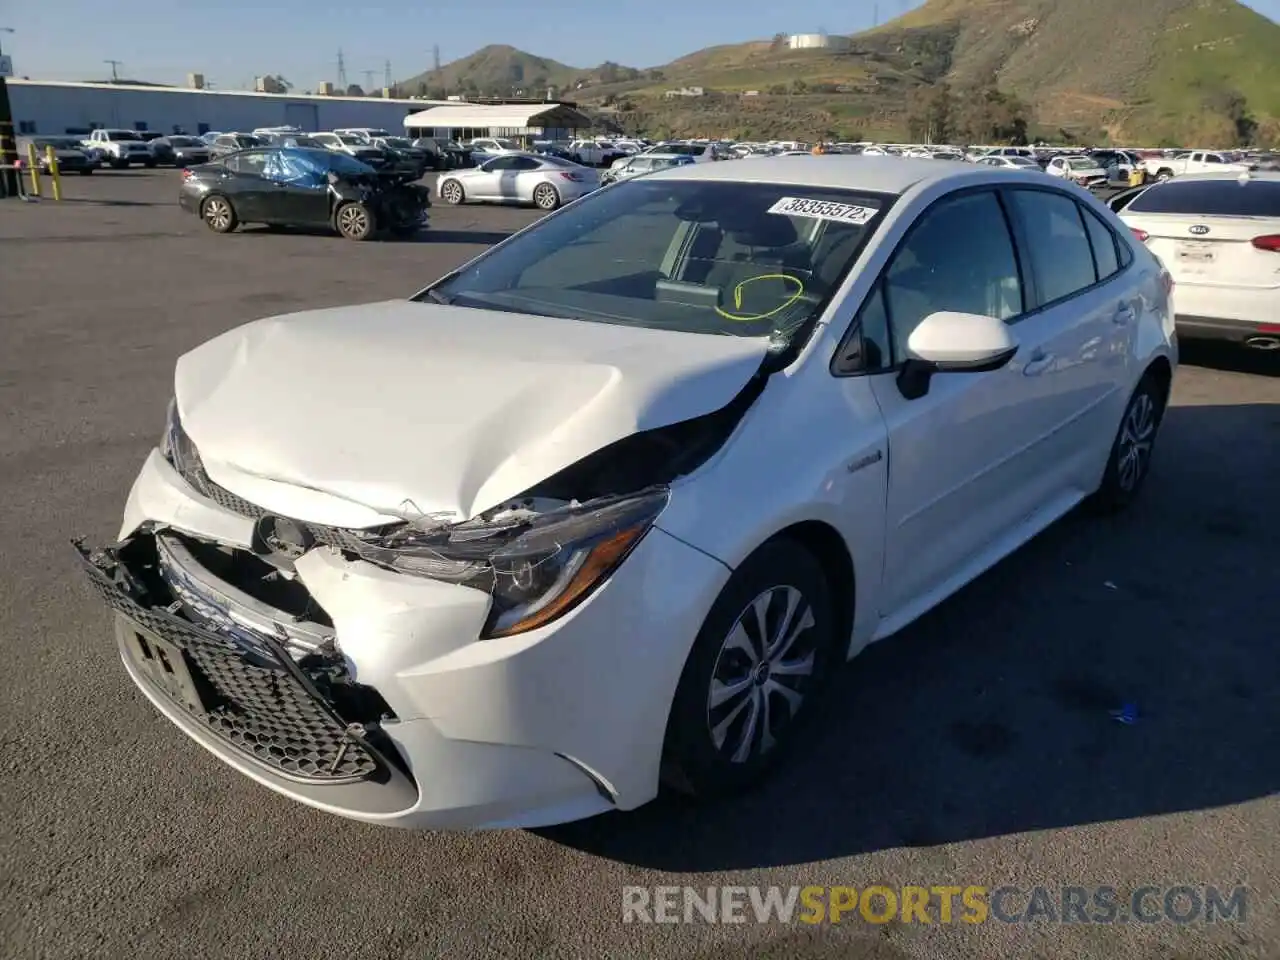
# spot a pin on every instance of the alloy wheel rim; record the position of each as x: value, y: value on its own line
x: 217, y: 214
x: 354, y: 220
x: 545, y: 197
x: 761, y: 674
x: 1137, y: 435
x: 451, y: 192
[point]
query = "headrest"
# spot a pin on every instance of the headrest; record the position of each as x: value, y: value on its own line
x: 754, y: 228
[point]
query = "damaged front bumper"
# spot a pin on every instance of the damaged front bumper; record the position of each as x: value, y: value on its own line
x: 369, y: 693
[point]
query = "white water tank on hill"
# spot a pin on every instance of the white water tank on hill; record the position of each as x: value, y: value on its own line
x: 817, y: 41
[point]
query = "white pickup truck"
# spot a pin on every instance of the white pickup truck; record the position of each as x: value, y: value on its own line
x: 1196, y: 161
x: 120, y: 148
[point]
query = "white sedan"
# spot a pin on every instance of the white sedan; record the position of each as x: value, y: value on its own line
x: 542, y: 181
x: 609, y: 504
x: 1219, y: 233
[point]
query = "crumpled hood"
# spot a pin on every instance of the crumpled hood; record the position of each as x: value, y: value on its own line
x: 355, y: 415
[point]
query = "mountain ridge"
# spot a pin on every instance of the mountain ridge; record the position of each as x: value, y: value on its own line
x: 1190, y: 71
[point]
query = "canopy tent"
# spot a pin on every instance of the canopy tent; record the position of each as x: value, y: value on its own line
x: 499, y: 119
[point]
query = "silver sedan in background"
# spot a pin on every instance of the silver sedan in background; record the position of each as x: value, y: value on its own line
x: 543, y: 181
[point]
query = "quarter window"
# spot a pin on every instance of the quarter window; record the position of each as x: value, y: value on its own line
x: 1060, y: 253
x: 959, y: 258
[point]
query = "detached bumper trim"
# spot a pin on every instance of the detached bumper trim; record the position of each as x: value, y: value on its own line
x: 256, y: 704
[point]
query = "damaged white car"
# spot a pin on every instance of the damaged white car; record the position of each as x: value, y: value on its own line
x: 606, y: 506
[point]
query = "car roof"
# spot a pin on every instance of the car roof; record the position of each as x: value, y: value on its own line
x: 1268, y: 176
x: 876, y: 174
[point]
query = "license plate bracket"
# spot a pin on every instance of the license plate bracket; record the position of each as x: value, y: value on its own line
x: 166, y: 665
x: 1191, y: 252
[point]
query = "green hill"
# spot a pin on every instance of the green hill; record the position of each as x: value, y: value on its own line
x: 1178, y: 71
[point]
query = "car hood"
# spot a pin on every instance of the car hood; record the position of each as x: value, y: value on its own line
x: 354, y: 416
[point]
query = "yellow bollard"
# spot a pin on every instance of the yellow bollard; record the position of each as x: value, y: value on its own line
x: 52, y: 156
x: 34, y: 160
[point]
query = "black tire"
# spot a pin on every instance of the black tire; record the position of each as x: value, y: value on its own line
x: 693, y: 762
x: 1164, y: 174
x: 1129, y: 462
x: 354, y: 221
x: 149, y: 164
x: 546, y: 197
x: 452, y: 193
x: 218, y: 214
x: 119, y: 164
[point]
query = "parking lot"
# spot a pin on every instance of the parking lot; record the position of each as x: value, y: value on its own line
x: 978, y: 747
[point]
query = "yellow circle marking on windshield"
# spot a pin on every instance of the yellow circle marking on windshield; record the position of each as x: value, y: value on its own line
x: 747, y: 317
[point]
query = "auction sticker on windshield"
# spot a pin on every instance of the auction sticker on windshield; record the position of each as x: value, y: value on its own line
x: 823, y: 210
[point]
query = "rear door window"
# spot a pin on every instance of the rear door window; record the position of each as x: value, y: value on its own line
x: 1211, y: 198
x: 1060, y: 253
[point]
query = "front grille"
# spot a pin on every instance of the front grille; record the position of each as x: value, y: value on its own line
x: 258, y: 702
x: 192, y: 471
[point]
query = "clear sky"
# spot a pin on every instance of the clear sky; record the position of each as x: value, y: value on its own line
x: 231, y: 41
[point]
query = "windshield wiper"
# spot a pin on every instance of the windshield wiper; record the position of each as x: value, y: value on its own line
x: 435, y: 296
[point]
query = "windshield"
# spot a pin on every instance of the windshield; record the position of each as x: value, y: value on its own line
x: 685, y: 149
x: 506, y: 144
x: 1082, y: 164
x: 245, y: 140
x: 696, y: 256
x: 122, y: 135
x: 1022, y: 162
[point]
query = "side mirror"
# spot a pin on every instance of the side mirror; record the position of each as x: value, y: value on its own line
x: 948, y: 342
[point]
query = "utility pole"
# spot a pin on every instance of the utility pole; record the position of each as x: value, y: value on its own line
x: 8, y: 142
x: 386, y: 74
x: 115, y: 68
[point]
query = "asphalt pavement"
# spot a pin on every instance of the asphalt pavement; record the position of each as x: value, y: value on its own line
x: 978, y: 747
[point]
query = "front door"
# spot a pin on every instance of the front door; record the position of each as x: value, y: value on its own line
x: 299, y: 192
x: 962, y: 458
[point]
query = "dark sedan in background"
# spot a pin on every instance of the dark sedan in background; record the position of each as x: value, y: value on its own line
x: 71, y: 155
x: 304, y: 187
x: 181, y: 151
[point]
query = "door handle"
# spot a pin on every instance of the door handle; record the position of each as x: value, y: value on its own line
x: 1038, y: 363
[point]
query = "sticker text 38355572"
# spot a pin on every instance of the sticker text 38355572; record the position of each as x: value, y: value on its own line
x: 823, y: 210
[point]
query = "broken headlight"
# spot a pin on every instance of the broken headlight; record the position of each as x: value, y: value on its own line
x: 537, y: 567
x: 177, y: 448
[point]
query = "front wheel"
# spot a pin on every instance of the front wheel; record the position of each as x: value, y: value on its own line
x: 218, y: 214
x: 762, y: 655
x: 545, y: 197
x: 451, y: 192
x: 1130, y: 459
x: 355, y: 221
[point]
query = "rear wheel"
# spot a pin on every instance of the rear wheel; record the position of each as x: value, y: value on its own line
x: 546, y: 197
x: 763, y: 653
x: 218, y: 214
x: 355, y: 221
x: 452, y: 193
x: 1164, y: 175
x: 1131, y: 451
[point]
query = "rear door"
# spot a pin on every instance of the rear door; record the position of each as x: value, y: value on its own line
x: 249, y: 188
x: 1092, y: 306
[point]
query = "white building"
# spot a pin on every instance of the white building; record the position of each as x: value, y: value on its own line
x: 818, y: 41
x: 51, y: 107
x: 460, y: 120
